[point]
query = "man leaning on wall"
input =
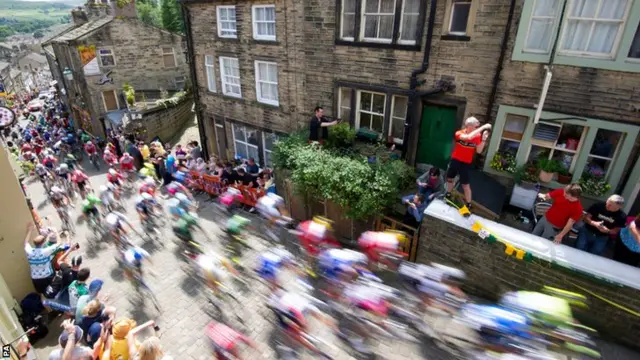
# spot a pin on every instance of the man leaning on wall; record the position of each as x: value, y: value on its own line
x: 565, y: 211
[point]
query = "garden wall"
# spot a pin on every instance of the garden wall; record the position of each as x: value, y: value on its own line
x: 166, y: 122
x: 447, y: 238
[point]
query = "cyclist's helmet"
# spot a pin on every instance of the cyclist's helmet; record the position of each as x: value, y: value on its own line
x: 64, y: 166
x: 137, y: 255
x: 107, y: 152
x: 126, y: 155
x: 278, y: 199
x: 71, y: 157
x: 92, y: 198
x: 103, y: 188
x: 149, y: 180
x: 39, y: 166
x: 146, y: 196
x: 113, y: 172
x: 56, y: 189
x: 450, y: 274
x: 182, y: 197
x: 110, y: 186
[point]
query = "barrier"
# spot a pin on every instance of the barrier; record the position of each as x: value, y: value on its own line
x: 195, y: 181
x: 214, y: 186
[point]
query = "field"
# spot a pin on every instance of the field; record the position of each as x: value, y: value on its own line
x: 37, y: 14
x: 25, y: 17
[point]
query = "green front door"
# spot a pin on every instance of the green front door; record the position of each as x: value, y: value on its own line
x: 435, y: 141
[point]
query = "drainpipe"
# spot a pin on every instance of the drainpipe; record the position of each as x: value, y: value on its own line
x: 549, y: 68
x: 503, y: 51
x: 204, y: 144
x: 413, y: 81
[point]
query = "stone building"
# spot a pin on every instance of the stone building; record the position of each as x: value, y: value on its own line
x: 108, y: 48
x: 412, y: 71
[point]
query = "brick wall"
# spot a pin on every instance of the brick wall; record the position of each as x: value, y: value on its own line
x: 490, y: 273
x: 165, y: 123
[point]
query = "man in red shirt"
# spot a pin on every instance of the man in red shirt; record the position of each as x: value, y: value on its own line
x: 469, y: 141
x: 562, y: 215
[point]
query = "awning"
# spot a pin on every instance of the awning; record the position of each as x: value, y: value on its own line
x: 115, y: 117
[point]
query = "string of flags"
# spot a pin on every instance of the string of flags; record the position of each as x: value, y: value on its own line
x: 510, y: 249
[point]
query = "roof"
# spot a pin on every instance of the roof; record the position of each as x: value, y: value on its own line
x: 63, y: 30
x: 6, y: 46
x: 14, y: 72
x: 3, y: 65
x: 36, y: 57
x: 84, y: 29
x: 49, y: 50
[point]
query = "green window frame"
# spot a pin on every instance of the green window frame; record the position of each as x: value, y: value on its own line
x: 623, y: 153
x: 619, y: 61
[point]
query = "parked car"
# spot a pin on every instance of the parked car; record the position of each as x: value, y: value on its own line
x: 35, y: 105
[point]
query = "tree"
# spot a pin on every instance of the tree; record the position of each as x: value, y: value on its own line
x: 171, y: 16
x: 148, y: 13
x: 38, y: 34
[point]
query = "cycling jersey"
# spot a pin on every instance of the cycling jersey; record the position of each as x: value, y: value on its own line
x: 90, y: 202
x: 175, y: 187
x: 292, y: 307
x: 90, y: 149
x: 79, y: 177
x: 333, y: 262
x: 236, y: 224
x: 110, y: 159
x: 379, y: 240
x: 126, y: 163
x: 107, y: 197
x: 212, y: 267
x: 173, y: 205
x: 49, y: 161
x: 133, y: 257
x: 115, y: 219
x: 186, y: 222
x: 41, y: 171
x: 272, y: 261
x: 115, y: 179
x: 366, y: 297
x: 147, y: 188
x: 268, y: 207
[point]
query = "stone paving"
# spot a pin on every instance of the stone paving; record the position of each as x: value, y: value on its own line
x: 185, y: 311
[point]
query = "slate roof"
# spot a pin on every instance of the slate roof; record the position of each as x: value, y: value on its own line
x: 37, y: 58
x: 3, y: 65
x: 84, y: 29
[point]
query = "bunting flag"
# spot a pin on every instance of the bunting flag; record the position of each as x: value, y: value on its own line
x: 510, y: 250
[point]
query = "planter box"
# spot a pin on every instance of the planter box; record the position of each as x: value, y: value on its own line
x: 524, y: 196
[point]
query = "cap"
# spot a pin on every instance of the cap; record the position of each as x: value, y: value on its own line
x: 95, y: 286
x: 64, y: 337
x: 76, y: 260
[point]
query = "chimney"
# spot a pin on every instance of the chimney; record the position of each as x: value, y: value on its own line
x: 98, y: 8
x: 79, y: 16
x: 126, y: 10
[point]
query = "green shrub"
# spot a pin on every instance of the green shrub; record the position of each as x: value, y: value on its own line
x: 340, y: 136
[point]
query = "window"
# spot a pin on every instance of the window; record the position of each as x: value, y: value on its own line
x: 634, y: 51
x: 348, y: 24
x: 211, y: 75
x: 245, y: 141
x: 267, y: 82
x: 557, y: 141
x: 110, y: 100
x: 460, y: 10
x: 378, y: 19
x: 541, y: 28
x: 371, y: 111
x: 512, y: 133
x: 269, y: 141
x: 344, y: 104
x: 168, y: 57
x: 106, y: 57
x: 179, y: 82
x: 398, y: 117
x: 264, y: 22
x: 226, y: 21
x: 603, y: 152
x: 593, y: 28
x: 230, y: 76
x: 409, y: 21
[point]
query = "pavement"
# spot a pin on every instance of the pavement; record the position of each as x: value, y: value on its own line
x: 185, y: 310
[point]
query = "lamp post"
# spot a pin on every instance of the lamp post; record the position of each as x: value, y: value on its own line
x: 67, y: 73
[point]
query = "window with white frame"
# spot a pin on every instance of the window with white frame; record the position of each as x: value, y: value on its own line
x: 541, y: 27
x: 603, y: 152
x: 347, y: 25
x: 378, y: 16
x: 371, y: 108
x: 168, y: 57
x: 267, y: 82
x: 593, y: 27
x: 107, y: 58
x: 512, y: 133
x: 409, y: 21
x: 268, y: 141
x: 179, y: 82
x: 230, y: 76
x: 459, y: 17
x: 226, y: 21
x: 344, y: 104
x: 211, y: 74
x: 634, y: 50
x: 245, y: 142
x: 559, y: 141
x: 398, y: 117
x: 264, y: 22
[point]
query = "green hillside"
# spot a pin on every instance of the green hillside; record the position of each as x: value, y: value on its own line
x: 30, y: 16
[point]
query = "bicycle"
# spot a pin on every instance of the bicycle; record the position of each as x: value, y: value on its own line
x: 95, y: 160
x: 96, y: 227
x: 65, y: 217
x: 140, y: 285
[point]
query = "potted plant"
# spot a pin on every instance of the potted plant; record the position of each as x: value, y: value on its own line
x: 548, y: 168
x: 594, y: 185
x: 525, y: 190
x: 564, y: 176
x: 503, y: 162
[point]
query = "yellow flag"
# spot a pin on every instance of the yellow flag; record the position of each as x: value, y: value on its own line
x: 509, y: 250
x: 464, y: 211
x: 476, y: 227
x: 520, y: 254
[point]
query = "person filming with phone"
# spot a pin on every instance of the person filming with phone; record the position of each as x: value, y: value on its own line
x: 318, y: 127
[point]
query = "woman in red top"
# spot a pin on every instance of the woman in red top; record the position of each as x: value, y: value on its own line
x: 562, y: 215
x: 469, y: 141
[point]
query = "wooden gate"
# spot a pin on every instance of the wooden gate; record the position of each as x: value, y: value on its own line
x: 411, y: 246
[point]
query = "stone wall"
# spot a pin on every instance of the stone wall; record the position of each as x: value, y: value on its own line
x: 490, y: 272
x: 166, y: 122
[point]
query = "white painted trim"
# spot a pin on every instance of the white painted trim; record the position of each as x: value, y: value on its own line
x: 255, y: 28
x: 392, y: 118
x: 113, y: 54
x: 346, y: 38
x: 370, y: 111
x: 400, y: 40
x: 363, y: 21
x: 245, y: 143
x: 258, y: 81
x: 453, y: 6
x: 210, y: 67
x: 218, y: 22
x: 553, y: 28
x: 222, y: 77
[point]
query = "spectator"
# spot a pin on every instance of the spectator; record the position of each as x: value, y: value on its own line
x: 180, y: 153
x: 117, y: 345
x: 252, y: 168
x: 601, y: 221
x: 196, y: 152
x: 69, y: 347
x: 430, y: 184
x: 318, y: 122
x: 565, y: 211
x: 95, y: 313
x: 94, y: 289
x: 150, y: 349
x: 133, y: 150
x: 200, y: 165
x: 39, y: 258
x: 79, y: 287
x: 469, y: 141
x: 65, y: 276
x: 144, y: 150
x: 244, y: 178
x: 628, y: 248
x: 415, y: 209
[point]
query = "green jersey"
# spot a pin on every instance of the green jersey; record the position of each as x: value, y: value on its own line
x: 76, y: 290
x: 186, y: 222
x: 90, y: 202
x: 236, y: 224
x: 84, y: 138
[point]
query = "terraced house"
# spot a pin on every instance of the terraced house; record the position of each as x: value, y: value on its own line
x: 557, y: 78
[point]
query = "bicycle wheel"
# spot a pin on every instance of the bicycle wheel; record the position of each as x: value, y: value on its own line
x: 151, y: 295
